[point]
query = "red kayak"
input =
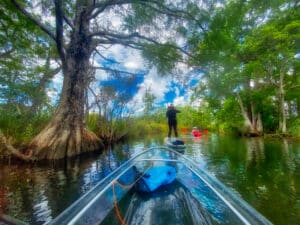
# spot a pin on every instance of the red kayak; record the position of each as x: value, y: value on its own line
x: 196, y: 133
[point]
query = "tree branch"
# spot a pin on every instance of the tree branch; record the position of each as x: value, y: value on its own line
x: 101, y: 6
x: 127, y: 40
x: 34, y: 20
x: 293, y: 87
x: 124, y: 39
x: 6, y: 53
x: 171, y: 12
x: 68, y: 21
x: 113, y: 70
x: 59, y: 15
x: 105, y: 58
x: 96, y: 99
x: 161, y: 8
x: 5, y: 146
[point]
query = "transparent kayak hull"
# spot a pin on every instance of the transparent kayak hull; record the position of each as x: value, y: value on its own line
x: 194, y: 197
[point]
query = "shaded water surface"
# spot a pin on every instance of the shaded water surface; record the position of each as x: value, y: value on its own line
x: 265, y: 173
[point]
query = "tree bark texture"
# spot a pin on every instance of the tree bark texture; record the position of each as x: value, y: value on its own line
x: 252, y: 126
x: 282, y: 113
x: 66, y: 134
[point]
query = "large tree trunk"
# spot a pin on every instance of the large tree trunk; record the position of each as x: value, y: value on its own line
x: 247, y: 122
x: 252, y: 126
x: 259, y: 125
x: 282, y: 114
x: 66, y: 134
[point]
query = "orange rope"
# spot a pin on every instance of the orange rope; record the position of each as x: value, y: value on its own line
x: 117, y: 208
x: 118, y: 213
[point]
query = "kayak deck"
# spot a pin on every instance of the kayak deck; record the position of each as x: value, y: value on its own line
x: 170, y: 204
x: 193, y: 187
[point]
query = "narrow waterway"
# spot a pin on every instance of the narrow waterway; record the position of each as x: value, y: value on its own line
x: 265, y: 173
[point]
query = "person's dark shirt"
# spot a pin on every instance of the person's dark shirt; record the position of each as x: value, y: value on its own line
x: 171, y: 114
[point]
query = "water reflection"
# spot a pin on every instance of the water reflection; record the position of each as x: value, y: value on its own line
x: 255, y: 151
x: 266, y: 173
x: 42, y: 211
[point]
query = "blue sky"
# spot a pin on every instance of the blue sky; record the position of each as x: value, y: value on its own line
x: 167, y: 89
x: 171, y: 88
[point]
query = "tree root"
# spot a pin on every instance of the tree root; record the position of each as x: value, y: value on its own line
x: 7, y: 150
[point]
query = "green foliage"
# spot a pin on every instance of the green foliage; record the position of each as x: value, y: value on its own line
x: 294, y: 128
x: 142, y: 128
x: 270, y: 117
x: 108, y: 130
x: 20, y: 125
x: 163, y: 57
x: 23, y: 48
x: 93, y: 122
x: 188, y: 117
x: 249, y: 48
x: 28, y: 133
x: 191, y: 117
x: 140, y: 16
x: 148, y: 100
x: 228, y: 117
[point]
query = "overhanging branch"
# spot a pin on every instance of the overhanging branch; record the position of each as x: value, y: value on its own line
x: 101, y: 6
x: 133, y: 41
x: 34, y: 20
x: 176, y: 13
x: 155, y: 5
x: 114, y: 70
x: 105, y: 58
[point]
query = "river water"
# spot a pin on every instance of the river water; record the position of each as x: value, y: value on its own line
x: 265, y: 173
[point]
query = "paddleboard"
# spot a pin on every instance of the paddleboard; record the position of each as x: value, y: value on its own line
x: 175, y: 144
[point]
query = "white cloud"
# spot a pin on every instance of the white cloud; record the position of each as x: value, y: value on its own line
x: 44, y: 16
x: 180, y: 100
x: 54, y: 90
x: 131, y: 65
x: 177, y: 91
x: 116, y: 22
x: 158, y: 86
x: 101, y: 75
x: 129, y: 58
x: 115, y: 51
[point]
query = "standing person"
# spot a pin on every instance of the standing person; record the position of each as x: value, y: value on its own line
x: 172, y: 121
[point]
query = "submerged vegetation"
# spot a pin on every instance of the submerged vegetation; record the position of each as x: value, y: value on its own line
x: 246, y: 56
